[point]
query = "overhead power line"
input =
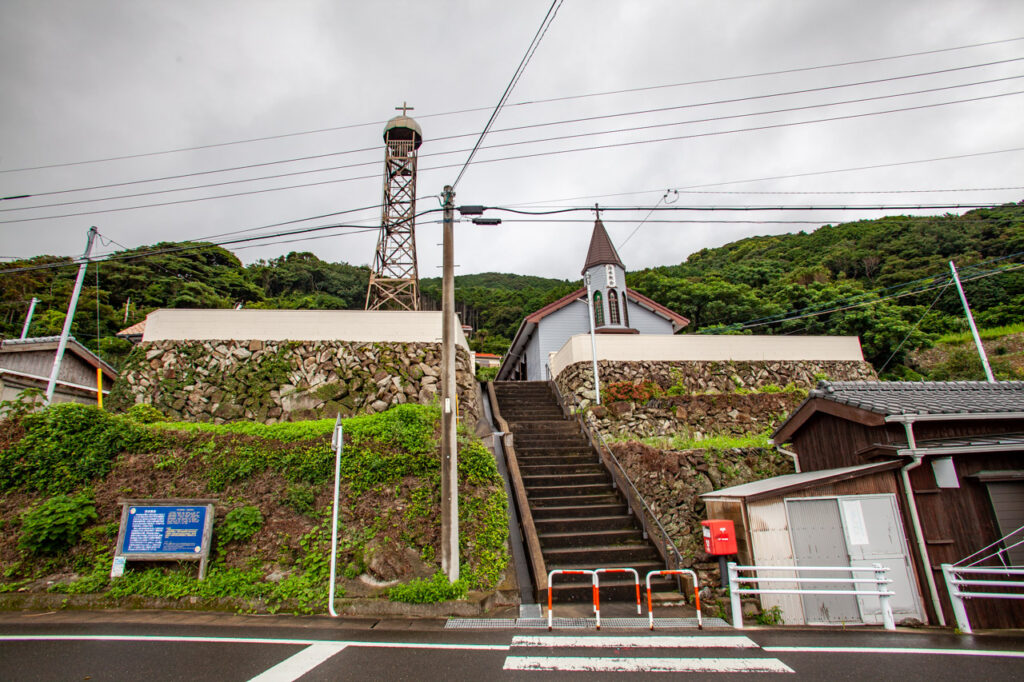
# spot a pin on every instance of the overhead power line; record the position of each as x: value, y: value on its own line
x: 537, y: 37
x: 180, y: 176
x: 613, y: 145
x: 516, y: 104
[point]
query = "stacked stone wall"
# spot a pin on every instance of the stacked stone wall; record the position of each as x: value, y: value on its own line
x: 707, y: 397
x: 274, y: 381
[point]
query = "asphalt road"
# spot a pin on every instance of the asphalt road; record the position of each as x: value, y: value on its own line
x: 183, y: 647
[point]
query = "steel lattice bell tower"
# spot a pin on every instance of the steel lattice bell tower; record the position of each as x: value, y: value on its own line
x: 394, y: 281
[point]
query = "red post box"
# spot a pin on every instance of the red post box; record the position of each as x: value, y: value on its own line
x: 719, y: 536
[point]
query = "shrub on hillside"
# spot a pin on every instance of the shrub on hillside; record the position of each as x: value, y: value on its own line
x: 67, y: 445
x: 55, y: 525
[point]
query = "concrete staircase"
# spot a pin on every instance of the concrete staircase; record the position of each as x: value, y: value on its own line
x: 581, y: 520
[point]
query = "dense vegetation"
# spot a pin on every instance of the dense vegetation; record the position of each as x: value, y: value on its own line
x: 121, y: 292
x: 876, y: 279
x: 65, y: 467
x: 881, y: 263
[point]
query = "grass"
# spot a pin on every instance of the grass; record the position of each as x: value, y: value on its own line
x: 288, y: 432
x: 986, y: 334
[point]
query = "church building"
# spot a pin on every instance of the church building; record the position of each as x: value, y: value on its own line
x: 616, y: 310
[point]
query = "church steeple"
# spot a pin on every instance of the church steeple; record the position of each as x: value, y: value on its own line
x: 606, y: 277
x: 601, y: 251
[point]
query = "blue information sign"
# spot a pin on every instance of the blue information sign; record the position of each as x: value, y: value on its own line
x: 164, y: 530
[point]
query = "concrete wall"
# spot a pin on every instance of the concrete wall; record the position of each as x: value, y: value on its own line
x: 297, y: 325
x: 701, y: 348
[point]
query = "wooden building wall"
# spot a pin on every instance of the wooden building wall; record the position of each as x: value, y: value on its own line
x: 958, y: 522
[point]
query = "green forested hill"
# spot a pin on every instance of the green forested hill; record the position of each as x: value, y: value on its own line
x: 854, y: 278
x: 883, y: 280
x: 179, y: 275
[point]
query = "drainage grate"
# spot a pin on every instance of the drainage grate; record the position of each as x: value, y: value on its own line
x: 579, y: 623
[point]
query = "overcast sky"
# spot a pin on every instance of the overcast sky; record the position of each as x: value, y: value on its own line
x: 91, y: 80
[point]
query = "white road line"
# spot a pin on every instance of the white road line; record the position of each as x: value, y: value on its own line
x: 624, y: 642
x: 249, y: 640
x: 296, y: 666
x: 650, y: 665
x: 891, y: 650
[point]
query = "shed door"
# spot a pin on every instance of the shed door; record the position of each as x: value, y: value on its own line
x: 816, y: 530
x: 874, y: 535
x: 1008, y: 504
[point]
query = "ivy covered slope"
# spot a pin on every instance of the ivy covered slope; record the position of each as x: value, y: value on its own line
x: 62, y: 471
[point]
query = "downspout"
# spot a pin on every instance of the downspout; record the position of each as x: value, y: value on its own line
x: 915, y: 520
x: 789, y: 453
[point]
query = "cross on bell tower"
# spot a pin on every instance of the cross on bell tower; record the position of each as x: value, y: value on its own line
x: 394, y: 281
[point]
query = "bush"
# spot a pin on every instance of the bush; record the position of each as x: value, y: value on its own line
x: 56, y: 524
x: 432, y: 591
x: 486, y: 374
x: 240, y: 524
x: 67, y: 445
x: 627, y: 390
x: 144, y: 413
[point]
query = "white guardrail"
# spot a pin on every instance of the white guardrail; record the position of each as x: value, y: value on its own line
x: 878, y: 580
x: 974, y: 577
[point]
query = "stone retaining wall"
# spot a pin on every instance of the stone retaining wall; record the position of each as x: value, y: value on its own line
x: 717, y: 397
x: 672, y: 480
x: 273, y: 381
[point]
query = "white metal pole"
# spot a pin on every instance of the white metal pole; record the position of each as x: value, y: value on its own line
x: 883, y: 599
x: 970, y: 321
x: 963, y: 623
x: 593, y: 340
x: 338, y: 441
x: 28, y: 318
x: 734, y: 596
x: 63, y: 343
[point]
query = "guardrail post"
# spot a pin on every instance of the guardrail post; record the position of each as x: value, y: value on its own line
x: 963, y: 623
x: 734, y: 596
x: 883, y: 598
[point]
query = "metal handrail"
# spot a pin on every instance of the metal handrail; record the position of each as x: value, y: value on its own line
x: 883, y: 592
x: 954, y: 582
x: 669, y: 544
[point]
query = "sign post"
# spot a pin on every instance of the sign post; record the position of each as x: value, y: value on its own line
x: 164, y: 530
x: 338, y: 441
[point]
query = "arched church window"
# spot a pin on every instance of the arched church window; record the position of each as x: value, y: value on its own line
x: 598, y: 309
x: 625, y: 310
x: 613, y: 307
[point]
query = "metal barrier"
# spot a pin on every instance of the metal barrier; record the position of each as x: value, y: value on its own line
x: 879, y: 580
x: 597, y: 589
x: 696, y: 594
x: 557, y: 571
x: 954, y: 581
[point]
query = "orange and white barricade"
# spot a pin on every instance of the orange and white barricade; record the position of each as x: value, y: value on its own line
x: 597, y: 589
x: 696, y: 593
x: 558, y: 571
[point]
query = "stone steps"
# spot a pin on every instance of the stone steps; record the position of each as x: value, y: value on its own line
x: 581, y: 520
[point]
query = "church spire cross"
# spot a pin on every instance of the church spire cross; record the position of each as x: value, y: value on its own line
x: 404, y: 108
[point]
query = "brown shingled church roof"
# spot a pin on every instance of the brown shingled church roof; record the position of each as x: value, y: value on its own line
x: 601, y: 249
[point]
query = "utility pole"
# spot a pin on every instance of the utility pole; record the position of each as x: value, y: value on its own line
x: 449, y: 454
x: 66, y: 332
x: 28, y: 318
x: 970, y: 321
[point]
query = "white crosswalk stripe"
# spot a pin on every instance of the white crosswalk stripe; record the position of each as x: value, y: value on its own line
x: 688, y: 660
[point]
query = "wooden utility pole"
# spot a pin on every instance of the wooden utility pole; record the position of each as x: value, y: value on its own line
x: 449, y: 405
